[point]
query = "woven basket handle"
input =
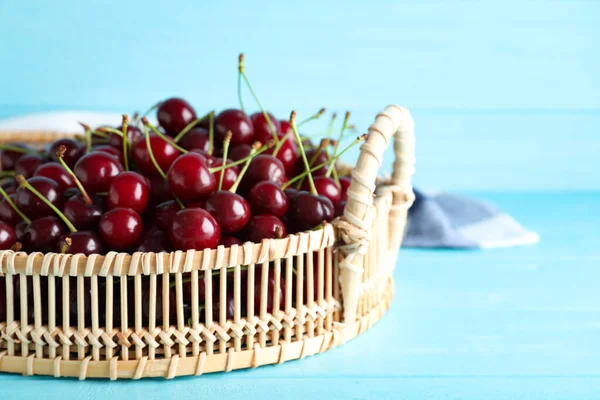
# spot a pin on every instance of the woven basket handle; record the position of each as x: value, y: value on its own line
x: 394, y: 121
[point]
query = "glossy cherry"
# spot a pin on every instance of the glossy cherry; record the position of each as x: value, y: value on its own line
x: 196, y: 138
x: 231, y: 210
x: 345, y: 181
x: 194, y: 228
x: 238, y: 123
x: 164, y: 214
x: 326, y: 187
x: 73, y: 153
x: 321, y: 157
x: 113, y: 151
x: 28, y: 164
x: 229, y: 241
x: 82, y: 215
x: 285, y: 127
x: 129, y: 190
x: 264, y: 167
x: 42, y: 234
x: 268, y: 198
x: 31, y: 204
x: 262, y: 131
x: 189, y: 178
x: 133, y: 135
x: 308, y: 210
x: 57, y: 173
x: 288, y: 155
x: 8, y: 158
x: 84, y: 242
x: 265, y: 227
x: 231, y: 173
x: 8, y: 237
x: 120, y: 228
x: 7, y: 213
x: 174, y: 114
x: 164, y: 153
x: 96, y: 171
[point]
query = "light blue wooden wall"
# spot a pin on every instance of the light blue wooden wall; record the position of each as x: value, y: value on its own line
x: 506, y: 94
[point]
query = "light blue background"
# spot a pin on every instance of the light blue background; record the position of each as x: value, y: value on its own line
x: 506, y: 97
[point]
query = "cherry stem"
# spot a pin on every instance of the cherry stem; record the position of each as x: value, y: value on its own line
x: 264, y: 112
x: 242, y: 160
x: 189, y: 127
x: 23, y: 183
x: 281, y: 143
x: 151, y: 154
x: 211, y: 132
x: 68, y: 242
x: 163, y: 137
x: 178, y: 200
x: 17, y: 149
x: 7, y: 174
x: 87, y: 131
x: 322, y: 146
x: 313, y: 117
x: 254, y: 152
x: 328, y: 162
x: 17, y: 247
x: 61, y: 153
x: 14, y: 206
x: 124, y: 126
x: 225, y: 151
x: 239, y: 80
x: 337, y: 144
x: 329, y: 128
x: 311, y: 182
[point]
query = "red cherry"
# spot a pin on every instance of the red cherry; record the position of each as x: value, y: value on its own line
x: 189, y: 178
x: 231, y: 173
x: 262, y: 131
x: 113, y: 151
x: 42, y: 234
x: 8, y: 237
x: 285, y: 127
x: 31, y: 204
x: 231, y: 210
x: 159, y: 189
x: 164, y: 153
x: 129, y: 190
x: 229, y: 241
x: 174, y: 114
x: 264, y: 167
x: 308, y: 210
x: 265, y: 227
x: 84, y: 242
x: 340, y: 207
x: 28, y: 164
x: 291, y: 193
x: 7, y: 213
x: 345, y: 181
x: 8, y: 158
x: 120, y: 228
x: 155, y: 241
x: 81, y: 215
x: 238, y: 123
x: 320, y: 159
x: 288, y: 155
x: 97, y: 170
x: 196, y: 138
x: 239, y: 152
x: 164, y: 214
x: 133, y: 135
x: 268, y: 198
x: 57, y: 173
x: 74, y: 151
x: 326, y: 187
x: 194, y: 228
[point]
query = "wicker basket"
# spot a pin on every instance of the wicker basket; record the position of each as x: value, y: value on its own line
x: 338, y: 282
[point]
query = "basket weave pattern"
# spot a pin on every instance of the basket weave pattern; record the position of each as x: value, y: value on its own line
x: 338, y: 282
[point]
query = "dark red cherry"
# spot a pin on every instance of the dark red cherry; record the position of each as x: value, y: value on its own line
x: 8, y: 158
x: 285, y: 127
x: 9, y: 185
x: 8, y: 237
x: 288, y: 155
x: 155, y: 241
x: 81, y: 215
x: 164, y: 214
x: 326, y: 187
x: 321, y: 158
x: 57, y: 173
x: 229, y: 241
x: 133, y: 135
x: 238, y: 123
x: 264, y: 167
x: 74, y: 151
x: 97, y: 170
x: 164, y: 153
x: 231, y: 173
x: 196, y: 138
x: 70, y: 192
x: 210, y: 160
x: 291, y: 193
x: 345, y: 181
x: 231, y: 210
x: 31, y: 204
x: 194, y: 228
x: 340, y: 207
x: 308, y: 210
x: 239, y: 152
x: 113, y: 151
x: 268, y: 198
x: 262, y: 131
x: 189, y: 178
x: 120, y: 228
x: 42, y: 234
x: 7, y: 213
x: 20, y: 229
x: 28, y: 164
x: 129, y: 190
x: 159, y: 190
x: 84, y: 242
x: 265, y: 227
x: 174, y: 114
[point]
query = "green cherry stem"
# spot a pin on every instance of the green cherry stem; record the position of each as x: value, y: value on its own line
x: 190, y: 126
x: 225, y: 152
x: 151, y: 154
x: 253, y: 153
x: 14, y: 206
x: 313, y: 117
x: 87, y: 131
x: 24, y: 184
x: 328, y: 162
x: 7, y: 174
x: 163, y: 137
x: 61, y: 153
x: 311, y: 182
x: 337, y: 144
x: 211, y: 132
x: 262, y: 109
x: 281, y: 143
x: 65, y: 246
x: 124, y: 126
x: 262, y: 149
x: 17, y: 149
x: 322, y: 146
x: 239, y: 80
